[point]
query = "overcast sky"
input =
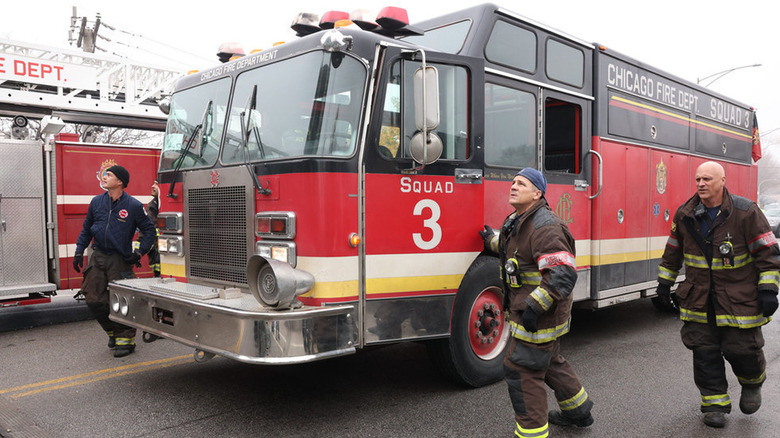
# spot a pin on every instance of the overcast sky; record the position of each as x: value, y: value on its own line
x: 689, y: 38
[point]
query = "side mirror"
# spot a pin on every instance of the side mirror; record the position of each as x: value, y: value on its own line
x: 426, y: 147
x: 426, y: 99
x: 165, y: 105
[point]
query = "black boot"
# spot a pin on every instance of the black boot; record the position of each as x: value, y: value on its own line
x: 560, y: 419
x: 750, y: 400
x: 123, y: 350
x: 714, y: 419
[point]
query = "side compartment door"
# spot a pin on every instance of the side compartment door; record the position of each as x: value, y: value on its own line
x: 564, y: 159
x: 420, y: 223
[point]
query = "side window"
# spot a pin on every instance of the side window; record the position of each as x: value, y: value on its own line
x: 562, y: 136
x: 565, y: 64
x: 510, y: 127
x: 398, y: 125
x: 512, y: 46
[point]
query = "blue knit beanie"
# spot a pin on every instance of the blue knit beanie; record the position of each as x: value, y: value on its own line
x: 535, y: 177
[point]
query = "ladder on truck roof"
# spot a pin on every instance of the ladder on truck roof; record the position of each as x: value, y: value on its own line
x: 81, y: 87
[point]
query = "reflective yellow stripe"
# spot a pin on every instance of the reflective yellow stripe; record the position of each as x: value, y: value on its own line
x: 531, y: 278
x: 539, y: 432
x: 743, y: 322
x: 715, y: 400
x: 688, y: 315
x: 540, y: 336
x: 769, y: 277
x: 123, y: 342
x: 758, y: 380
x: 574, y: 402
x: 717, y: 263
x: 695, y: 261
x: 667, y: 274
x: 543, y: 298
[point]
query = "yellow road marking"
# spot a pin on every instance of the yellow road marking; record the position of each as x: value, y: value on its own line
x: 93, y: 376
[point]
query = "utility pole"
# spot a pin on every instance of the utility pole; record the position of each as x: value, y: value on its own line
x: 87, y: 36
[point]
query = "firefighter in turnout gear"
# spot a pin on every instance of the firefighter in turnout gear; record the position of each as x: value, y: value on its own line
x: 111, y: 221
x: 152, y: 209
x: 538, y: 269
x: 732, y: 270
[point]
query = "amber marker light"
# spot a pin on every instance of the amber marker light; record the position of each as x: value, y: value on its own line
x: 354, y: 240
x: 342, y: 23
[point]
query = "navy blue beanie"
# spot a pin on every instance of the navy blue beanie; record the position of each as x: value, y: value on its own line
x: 121, y: 173
x: 535, y: 177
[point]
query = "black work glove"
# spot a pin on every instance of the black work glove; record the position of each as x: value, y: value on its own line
x: 133, y: 259
x: 530, y: 318
x: 767, y: 300
x: 487, y: 237
x: 664, y: 295
x: 78, y: 262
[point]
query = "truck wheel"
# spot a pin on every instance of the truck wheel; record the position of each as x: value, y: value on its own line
x: 474, y: 353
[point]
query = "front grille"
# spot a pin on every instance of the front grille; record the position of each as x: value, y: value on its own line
x: 217, y: 233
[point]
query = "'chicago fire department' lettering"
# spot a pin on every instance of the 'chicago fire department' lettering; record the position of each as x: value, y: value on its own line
x: 642, y: 85
x: 409, y: 186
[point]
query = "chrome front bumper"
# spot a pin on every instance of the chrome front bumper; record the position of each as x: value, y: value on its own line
x: 232, y: 323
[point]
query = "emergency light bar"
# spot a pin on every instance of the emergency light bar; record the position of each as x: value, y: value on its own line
x: 391, y: 21
x: 330, y: 18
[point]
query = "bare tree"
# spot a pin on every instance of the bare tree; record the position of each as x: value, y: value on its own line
x: 113, y: 135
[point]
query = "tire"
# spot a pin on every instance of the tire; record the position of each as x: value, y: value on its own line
x: 479, y: 335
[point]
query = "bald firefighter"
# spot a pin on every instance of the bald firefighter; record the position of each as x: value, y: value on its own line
x: 729, y: 292
x: 539, y: 273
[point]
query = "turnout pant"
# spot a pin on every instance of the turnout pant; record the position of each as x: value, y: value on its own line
x: 528, y: 368
x: 102, y: 269
x: 742, y: 348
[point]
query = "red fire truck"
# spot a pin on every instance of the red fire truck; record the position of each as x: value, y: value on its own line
x: 46, y: 183
x: 45, y: 195
x: 326, y: 195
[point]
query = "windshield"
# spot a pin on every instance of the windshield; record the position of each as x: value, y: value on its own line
x: 303, y: 106
x: 198, y: 111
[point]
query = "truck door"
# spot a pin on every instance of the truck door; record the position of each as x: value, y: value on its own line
x: 420, y: 222
x: 565, y: 161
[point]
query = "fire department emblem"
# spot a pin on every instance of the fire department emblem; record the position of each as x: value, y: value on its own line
x: 102, y: 172
x: 214, y: 178
x: 123, y: 213
x: 660, y: 177
x: 563, y: 209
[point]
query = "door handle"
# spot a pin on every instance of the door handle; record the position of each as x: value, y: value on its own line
x: 601, y: 173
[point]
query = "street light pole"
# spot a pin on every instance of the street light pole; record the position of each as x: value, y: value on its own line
x: 720, y: 74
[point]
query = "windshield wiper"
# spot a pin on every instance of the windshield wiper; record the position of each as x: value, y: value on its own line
x: 183, y: 152
x: 252, y: 105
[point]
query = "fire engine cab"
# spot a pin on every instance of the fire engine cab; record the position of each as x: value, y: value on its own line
x: 325, y: 195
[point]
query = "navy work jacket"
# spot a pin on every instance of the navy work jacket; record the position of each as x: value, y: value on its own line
x: 112, y: 225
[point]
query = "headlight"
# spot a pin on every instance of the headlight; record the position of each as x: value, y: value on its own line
x: 124, y: 306
x: 115, y: 303
x: 282, y: 251
x: 275, y: 224
x: 173, y: 245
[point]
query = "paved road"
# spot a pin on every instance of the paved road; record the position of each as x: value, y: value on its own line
x: 63, y: 381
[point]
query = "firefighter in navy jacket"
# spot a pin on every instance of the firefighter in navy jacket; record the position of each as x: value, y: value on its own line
x: 110, y: 224
x: 539, y: 273
x: 730, y: 289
